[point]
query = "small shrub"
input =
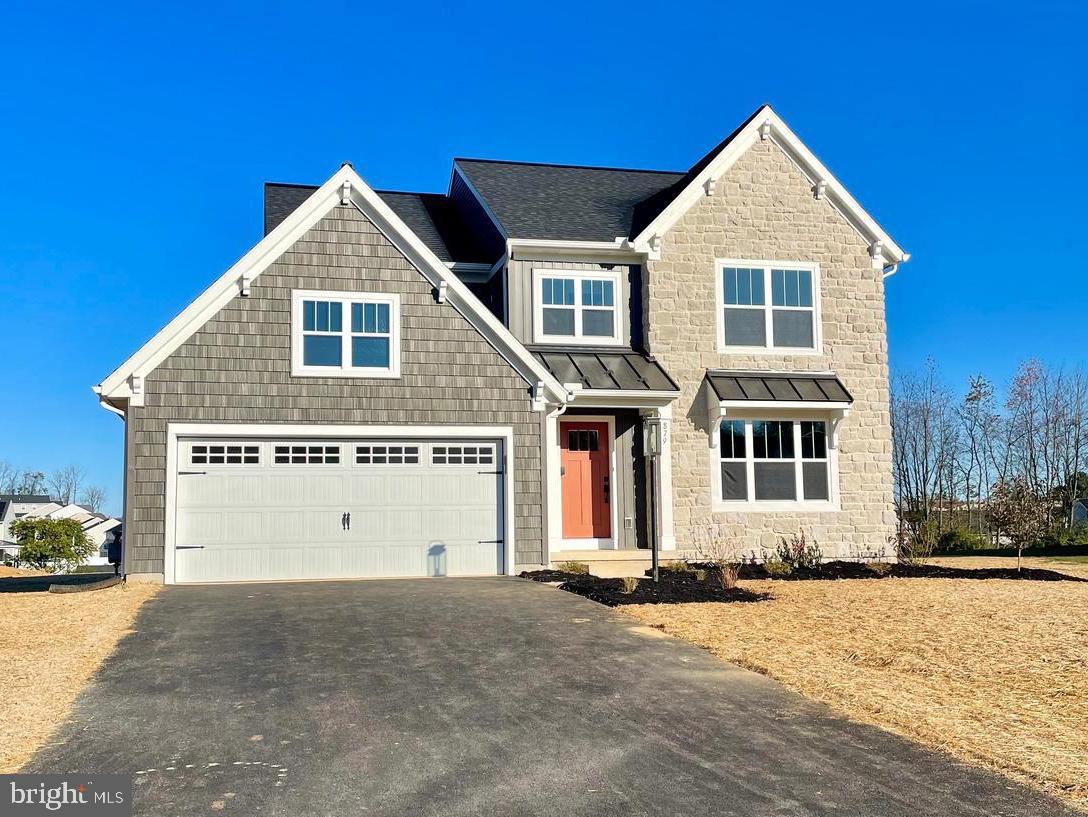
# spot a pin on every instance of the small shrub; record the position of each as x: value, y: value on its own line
x: 962, y: 540
x: 726, y: 575
x: 912, y: 550
x: 879, y: 569
x: 798, y: 552
x: 630, y: 584
x: 52, y: 544
x: 580, y: 568
x: 677, y: 567
x: 776, y: 568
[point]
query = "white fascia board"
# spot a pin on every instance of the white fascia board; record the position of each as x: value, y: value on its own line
x: 784, y: 405
x: 542, y: 249
x: 622, y: 398
x: 795, y: 149
x: 273, y: 245
x: 220, y: 293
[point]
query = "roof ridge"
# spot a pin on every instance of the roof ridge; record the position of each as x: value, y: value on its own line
x: 569, y: 166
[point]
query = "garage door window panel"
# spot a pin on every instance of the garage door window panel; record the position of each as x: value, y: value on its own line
x: 339, y: 334
x: 224, y: 454
x: 306, y: 454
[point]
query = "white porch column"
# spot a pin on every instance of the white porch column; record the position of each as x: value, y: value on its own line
x: 663, y: 509
x: 553, y: 499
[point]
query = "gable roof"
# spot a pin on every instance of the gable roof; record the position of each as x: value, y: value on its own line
x: 343, y: 187
x: 433, y: 217
x: 762, y: 125
x: 564, y: 202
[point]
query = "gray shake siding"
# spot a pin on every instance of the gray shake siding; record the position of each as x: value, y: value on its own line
x: 237, y: 369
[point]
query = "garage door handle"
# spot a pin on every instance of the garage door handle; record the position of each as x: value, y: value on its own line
x: 490, y: 541
x: 192, y: 473
x: 489, y: 472
x: 188, y: 547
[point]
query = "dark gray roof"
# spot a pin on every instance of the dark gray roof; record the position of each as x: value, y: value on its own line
x: 39, y: 498
x: 565, y: 202
x: 580, y: 203
x: 611, y: 369
x: 431, y: 216
x: 808, y: 388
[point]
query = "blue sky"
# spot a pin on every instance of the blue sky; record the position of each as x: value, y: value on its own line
x: 135, y: 140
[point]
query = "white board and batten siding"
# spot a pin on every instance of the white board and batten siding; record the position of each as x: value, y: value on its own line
x: 250, y: 508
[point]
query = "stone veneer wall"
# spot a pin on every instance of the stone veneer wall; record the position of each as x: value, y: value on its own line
x: 764, y: 209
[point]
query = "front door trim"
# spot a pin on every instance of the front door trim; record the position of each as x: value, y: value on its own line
x: 610, y: 421
x: 174, y: 431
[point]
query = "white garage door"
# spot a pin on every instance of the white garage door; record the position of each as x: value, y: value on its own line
x: 250, y: 509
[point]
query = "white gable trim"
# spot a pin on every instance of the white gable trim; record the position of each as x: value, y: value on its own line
x: 768, y: 125
x: 344, y: 187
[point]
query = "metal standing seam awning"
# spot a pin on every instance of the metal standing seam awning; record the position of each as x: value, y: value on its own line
x: 731, y: 390
x: 608, y: 375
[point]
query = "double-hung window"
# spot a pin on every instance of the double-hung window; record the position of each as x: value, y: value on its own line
x: 345, y: 334
x: 773, y: 463
x: 767, y: 306
x: 576, y: 306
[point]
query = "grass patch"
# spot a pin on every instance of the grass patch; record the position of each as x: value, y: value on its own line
x: 992, y: 672
x: 50, y: 646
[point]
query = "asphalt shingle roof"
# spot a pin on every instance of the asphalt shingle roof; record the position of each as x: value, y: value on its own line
x: 431, y: 216
x: 565, y: 202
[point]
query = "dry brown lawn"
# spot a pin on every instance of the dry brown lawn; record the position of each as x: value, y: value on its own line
x: 50, y: 646
x: 1041, y: 562
x: 993, y: 672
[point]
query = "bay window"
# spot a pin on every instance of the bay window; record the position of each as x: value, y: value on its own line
x: 774, y: 463
x: 767, y: 306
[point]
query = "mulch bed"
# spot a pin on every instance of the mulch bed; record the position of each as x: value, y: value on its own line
x: 860, y: 570
x: 684, y: 586
x: 675, y: 587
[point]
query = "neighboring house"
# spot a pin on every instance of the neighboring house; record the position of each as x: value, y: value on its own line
x: 1080, y: 512
x: 95, y: 525
x: 399, y: 384
x: 13, y: 507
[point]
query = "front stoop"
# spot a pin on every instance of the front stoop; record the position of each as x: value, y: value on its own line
x: 615, y: 564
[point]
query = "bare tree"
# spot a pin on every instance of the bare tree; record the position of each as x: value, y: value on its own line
x: 66, y: 483
x: 924, y: 444
x: 9, y: 475
x: 94, y: 497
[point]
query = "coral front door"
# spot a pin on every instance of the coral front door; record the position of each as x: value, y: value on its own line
x: 587, y: 509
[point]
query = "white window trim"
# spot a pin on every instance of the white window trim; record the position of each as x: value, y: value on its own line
x: 768, y: 308
x: 752, y: 505
x: 578, y: 339
x: 299, y: 369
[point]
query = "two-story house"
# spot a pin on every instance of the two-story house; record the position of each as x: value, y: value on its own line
x: 545, y: 362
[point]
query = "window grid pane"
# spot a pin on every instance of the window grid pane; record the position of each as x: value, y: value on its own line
x: 813, y: 441
x: 772, y: 439
x: 732, y: 439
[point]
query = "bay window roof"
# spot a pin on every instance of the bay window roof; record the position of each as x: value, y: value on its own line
x: 775, y: 387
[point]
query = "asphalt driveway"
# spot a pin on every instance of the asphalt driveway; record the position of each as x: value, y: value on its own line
x: 473, y: 697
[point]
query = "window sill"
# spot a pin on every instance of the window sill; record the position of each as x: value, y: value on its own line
x: 774, y: 506
x: 772, y: 351
x: 570, y: 340
x: 322, y: 371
